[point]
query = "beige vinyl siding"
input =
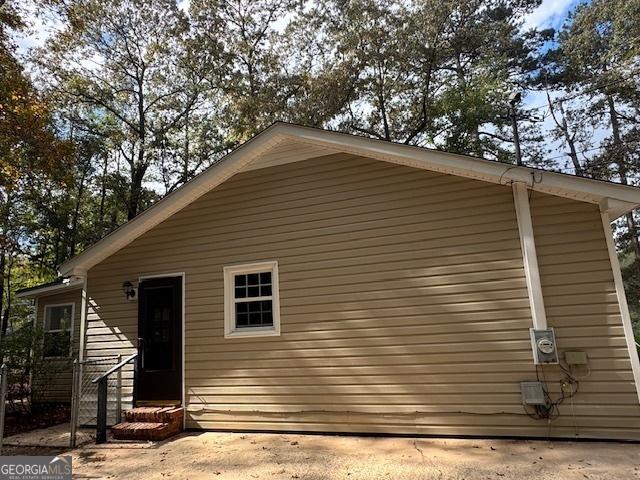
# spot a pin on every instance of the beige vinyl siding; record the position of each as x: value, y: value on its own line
x: 403, y: 303
x: 54, y: 385
x: 581, y: 304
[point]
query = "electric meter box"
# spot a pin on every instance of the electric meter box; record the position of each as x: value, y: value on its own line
x: 543, y: 343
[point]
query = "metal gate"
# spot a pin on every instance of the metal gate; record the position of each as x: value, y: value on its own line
x: 84, y: 397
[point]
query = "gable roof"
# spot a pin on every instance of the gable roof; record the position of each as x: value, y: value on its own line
x: 284, y: 143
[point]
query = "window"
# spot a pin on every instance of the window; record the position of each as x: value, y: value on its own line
x: 58, y: 324
x: 251, y: 300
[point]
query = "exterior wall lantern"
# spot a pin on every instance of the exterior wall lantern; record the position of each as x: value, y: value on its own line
x: 129, y: 290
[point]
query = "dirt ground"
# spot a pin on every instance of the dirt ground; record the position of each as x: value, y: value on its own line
x: 282, y: 456
x: 40, y: 417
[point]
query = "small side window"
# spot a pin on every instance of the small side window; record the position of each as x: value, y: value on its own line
x: 58, y: 324
x: 251, y: 300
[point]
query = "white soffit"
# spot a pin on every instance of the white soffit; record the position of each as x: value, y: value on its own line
x: 284, y: 143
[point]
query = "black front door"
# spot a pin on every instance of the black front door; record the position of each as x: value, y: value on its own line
x: 159, y: 376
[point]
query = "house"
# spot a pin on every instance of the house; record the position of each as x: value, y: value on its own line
x: 316, y: 281
x: 57, y: 314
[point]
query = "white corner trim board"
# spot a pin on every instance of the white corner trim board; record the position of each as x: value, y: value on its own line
x: 622, y: 301
x: 84, y: 306
x: 529, y: 255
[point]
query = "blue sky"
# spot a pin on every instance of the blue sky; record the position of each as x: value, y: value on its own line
x: 551, y: 13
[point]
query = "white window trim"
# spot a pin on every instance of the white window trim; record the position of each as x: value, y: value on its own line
x: 45, y: 313
x: 230, y: 330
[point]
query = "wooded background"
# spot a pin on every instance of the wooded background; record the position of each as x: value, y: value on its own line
x: 126, y: 100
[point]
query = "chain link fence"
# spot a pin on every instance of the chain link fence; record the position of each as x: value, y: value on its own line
x: 84, y: 398
x: 3, y: 400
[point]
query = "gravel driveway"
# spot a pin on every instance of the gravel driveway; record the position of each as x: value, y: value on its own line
x: 282, y: 456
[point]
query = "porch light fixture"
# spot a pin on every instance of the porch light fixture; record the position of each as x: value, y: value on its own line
x: 129, y: 290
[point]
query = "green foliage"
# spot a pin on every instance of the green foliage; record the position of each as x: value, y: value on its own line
x: 29, y: 371
x: 136, y: 92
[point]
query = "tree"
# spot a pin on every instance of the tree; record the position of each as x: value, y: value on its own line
x: 387, y: 59
x: 123, y: 62
x: 598, y: 54
x: 258, y: 69
x: 29, y: 149
x: 428, y: 73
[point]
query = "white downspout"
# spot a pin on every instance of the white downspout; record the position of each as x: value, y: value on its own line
x: 529, y: 255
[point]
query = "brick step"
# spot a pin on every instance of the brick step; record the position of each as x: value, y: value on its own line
x: 153, y: 431
x: 155, y: 414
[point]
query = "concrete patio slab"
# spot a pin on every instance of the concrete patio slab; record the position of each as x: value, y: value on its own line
x: 206, y: 455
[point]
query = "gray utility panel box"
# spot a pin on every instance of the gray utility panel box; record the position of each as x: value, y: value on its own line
x: 576, y: 358
x: 532, y: 393
x: 543, y: 343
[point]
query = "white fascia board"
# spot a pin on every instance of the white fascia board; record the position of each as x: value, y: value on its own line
x: 172, y: 203
x: 622, y: 301
x: 529, y: 255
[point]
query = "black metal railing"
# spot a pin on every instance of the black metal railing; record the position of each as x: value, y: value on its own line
x: 101, y: 380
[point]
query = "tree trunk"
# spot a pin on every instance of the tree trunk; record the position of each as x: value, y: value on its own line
x: 4, y: 244
x: 138, y: 168
x: 622, y: 171
x: 185, y: 174
x: 103, y: 193
x: 135, y: 192
x: 3, y: 266
x: 76, y: 212
x: 573, y: 153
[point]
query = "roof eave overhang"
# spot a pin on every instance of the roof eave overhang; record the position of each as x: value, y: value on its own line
x: 70, y: 285
x: 616, y: 199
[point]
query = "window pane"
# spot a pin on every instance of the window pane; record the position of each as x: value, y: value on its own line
x: 254, y: 320
x: 265, y: 290
x: 58, y: 318
x: 242, y: 319
x: 265, y: 277
x: 253, y: 291
x: 254, y: 307
x: 242, y: 307
x: 254, y: 314
x: 253, y: 285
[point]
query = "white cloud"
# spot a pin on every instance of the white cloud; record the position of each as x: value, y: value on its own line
x: 551, y: 13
